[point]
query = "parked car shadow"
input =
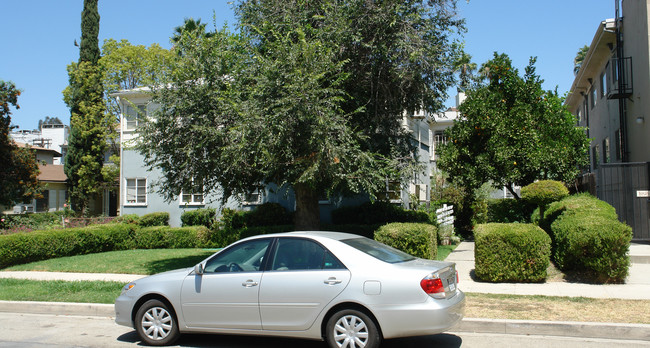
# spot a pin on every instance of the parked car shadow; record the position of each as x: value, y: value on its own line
x: 230, y: 341
x: 175, y: 263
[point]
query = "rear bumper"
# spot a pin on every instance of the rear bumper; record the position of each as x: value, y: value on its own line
x: 428, y: 318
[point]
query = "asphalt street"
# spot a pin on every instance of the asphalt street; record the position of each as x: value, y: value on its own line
x: 49, y: 330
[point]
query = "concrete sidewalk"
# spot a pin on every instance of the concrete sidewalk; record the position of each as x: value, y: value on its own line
x: 636, y: 287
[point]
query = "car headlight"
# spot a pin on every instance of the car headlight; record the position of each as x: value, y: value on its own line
x: 128, y: 287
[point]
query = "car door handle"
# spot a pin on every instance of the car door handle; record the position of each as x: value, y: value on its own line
x: 249, y: 283
x: 332, y: 281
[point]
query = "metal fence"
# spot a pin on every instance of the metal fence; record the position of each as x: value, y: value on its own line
x: 626, y: 186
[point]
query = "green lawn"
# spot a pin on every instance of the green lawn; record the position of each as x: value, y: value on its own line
x: 128, y: 261
x: 59, y: 291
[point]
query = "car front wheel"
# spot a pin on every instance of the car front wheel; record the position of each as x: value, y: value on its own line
x: 352, y: 329
x: 156, y: 324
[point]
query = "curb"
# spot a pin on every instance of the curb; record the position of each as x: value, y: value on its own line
x: 639, y: 332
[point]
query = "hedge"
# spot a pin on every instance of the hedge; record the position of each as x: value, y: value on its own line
x: 154, y: 219
x: 509, y: 210
x: 376, y: 213
x: 267, y: 214
x: 199, y: 217
x: 22, y: 248
x: 164, y: 237
x: 588, y: 239
x: 511, y: 252
x: 419, y: 240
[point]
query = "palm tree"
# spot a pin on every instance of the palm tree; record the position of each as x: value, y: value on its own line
x: 465, y: 68
x: 580, y: 57
x: 191, y: 26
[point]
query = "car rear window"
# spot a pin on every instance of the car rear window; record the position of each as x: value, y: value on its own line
x: 378, y: 250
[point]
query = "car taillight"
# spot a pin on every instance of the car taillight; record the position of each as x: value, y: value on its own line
x: 457, y: 279
x: 432, y: 285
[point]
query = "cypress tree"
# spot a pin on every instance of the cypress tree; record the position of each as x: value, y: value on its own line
x: 89, y: 125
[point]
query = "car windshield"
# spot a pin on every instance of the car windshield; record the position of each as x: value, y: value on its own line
x: 378, y: 250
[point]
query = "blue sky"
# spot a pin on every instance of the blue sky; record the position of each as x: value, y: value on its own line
x: 37, y: 38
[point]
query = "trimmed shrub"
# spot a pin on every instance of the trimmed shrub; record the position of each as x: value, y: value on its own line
x: 128, y: 219
x: 162, y: 237
x: 199, y: 217
x: 376, y: 213
x: 545, y: 192
x: 511, y: 252
x: 154, y: 219
x: 509, y: 210
x: 588, y: 239
x: 419, y: 240
x: 594, y: 246
x: 22, y: 248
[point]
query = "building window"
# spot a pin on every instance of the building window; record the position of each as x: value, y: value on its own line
x: 253, y: 197
x: 133, y: 116
x: 603, y: 83
x: 595, y: 156
x: 393, y: 191
x: 592, y: 96
x: 439, y: 138
x: 136, y: 191
x: 193, y: 197
x: 606, y: 150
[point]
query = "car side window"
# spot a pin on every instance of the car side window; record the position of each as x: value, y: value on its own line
x: 243, y: 257
x: 294, y: 254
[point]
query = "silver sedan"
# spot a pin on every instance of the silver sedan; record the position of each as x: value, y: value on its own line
x: 348, y: 290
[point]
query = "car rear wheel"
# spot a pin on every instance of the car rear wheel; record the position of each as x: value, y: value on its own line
x: 156, y: 324
x: 350, y: 328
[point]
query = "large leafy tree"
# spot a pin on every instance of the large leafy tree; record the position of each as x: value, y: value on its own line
x: 311, y: 95
x: 19, y: 169
x: 512, y: 132
x: 89, y: 124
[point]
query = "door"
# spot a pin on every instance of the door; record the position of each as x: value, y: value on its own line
x: 225, y: 296
x: 302, y: 279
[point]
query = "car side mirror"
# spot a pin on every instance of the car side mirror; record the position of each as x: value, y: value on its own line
x: 198, y: 269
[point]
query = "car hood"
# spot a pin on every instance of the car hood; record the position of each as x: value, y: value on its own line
x: 174, y: 274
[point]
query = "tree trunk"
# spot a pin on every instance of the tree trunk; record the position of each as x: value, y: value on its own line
x: 307, y: 217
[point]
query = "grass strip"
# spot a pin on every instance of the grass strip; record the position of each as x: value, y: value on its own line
x: 59, y: 291
x: 498, y: 306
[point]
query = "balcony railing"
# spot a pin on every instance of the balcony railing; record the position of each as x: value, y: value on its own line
x: 621, y: 68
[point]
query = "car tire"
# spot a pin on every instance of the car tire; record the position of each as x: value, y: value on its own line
x: 156, y: 324
x: 351, y: 328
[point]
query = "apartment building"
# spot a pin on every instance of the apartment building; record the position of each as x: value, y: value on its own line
x: 610, y: 97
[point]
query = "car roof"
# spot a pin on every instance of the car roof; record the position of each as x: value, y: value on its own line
x: 317, y: 234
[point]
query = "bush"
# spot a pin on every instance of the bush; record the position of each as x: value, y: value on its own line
x: 163, y: 237
x: 376, y: 213
x: 199, y: 217
x: 22, y: 248
x: 267, y: 214
x: 594, y: 246
x: 511, y: 252
x: 545, y: 192
x: 128, y: 219
x: 154, y: 219
x: 419, y: 240
x: 509, y: 210
x: 30, y: 221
